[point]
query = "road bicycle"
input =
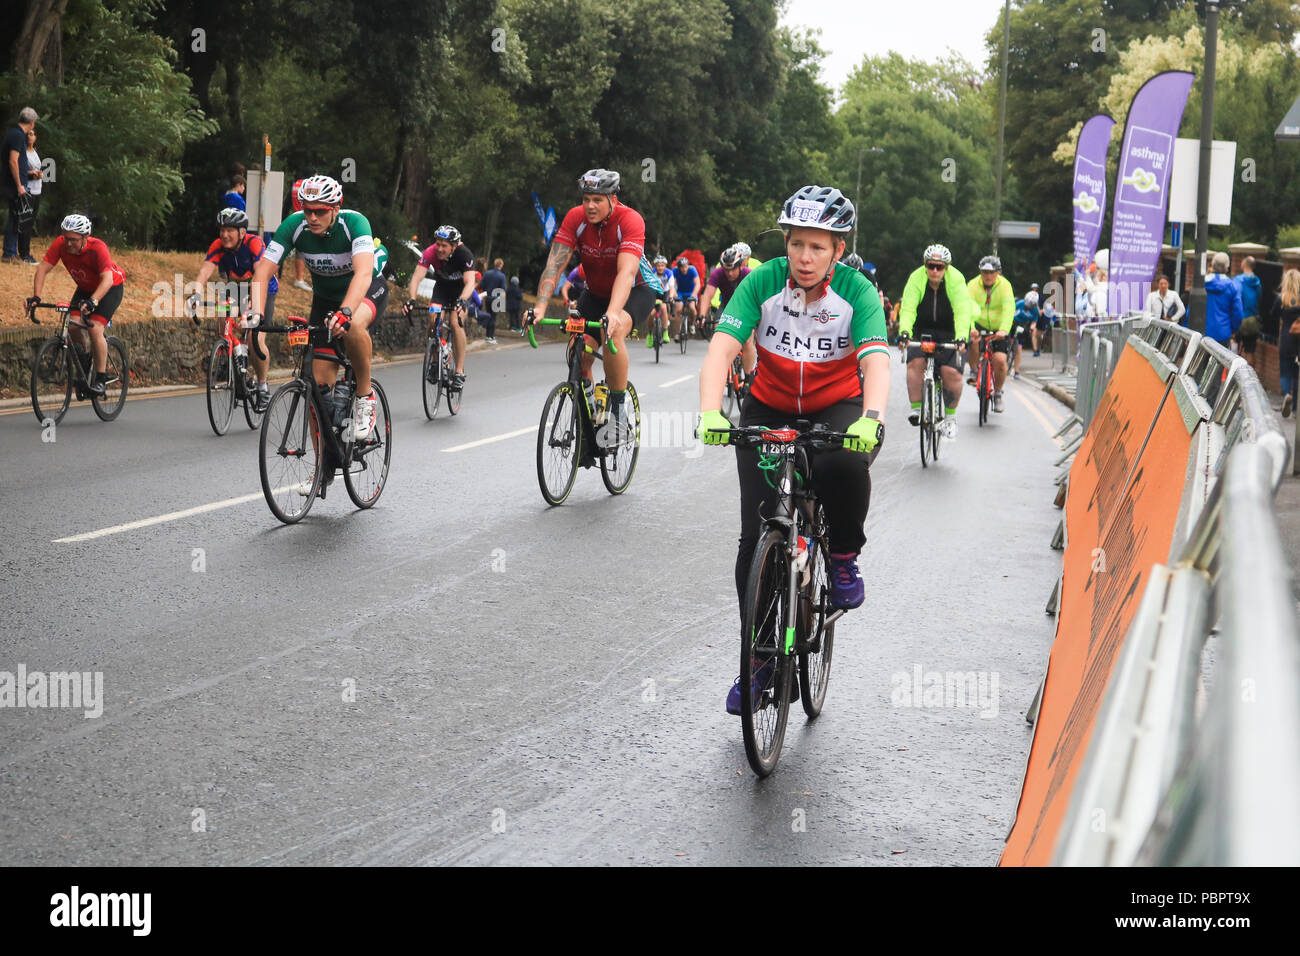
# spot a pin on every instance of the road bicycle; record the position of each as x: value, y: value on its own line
x: 656, y: 327
x: 787, y: 624
x: 302, y: 443
x: 689, y: 318
x: 737, y: 388
x: 984, y: 377
x: 933, y: 411
x: 62, y: 366
x: 439, y: 365
x: 230, y: 379
x: 576, y: 430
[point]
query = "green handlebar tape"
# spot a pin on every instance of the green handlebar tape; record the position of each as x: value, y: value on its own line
x: 532, y: 339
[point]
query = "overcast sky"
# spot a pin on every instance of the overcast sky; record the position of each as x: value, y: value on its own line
x: 917, y: 29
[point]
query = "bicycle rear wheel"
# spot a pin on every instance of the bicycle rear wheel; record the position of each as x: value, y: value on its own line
x: 927, y: 421
x: 983, y: 384
x: 289, y: 453
x: 430, y: 378
x: 618, y: 463
x: 251, y: 414
x: 52, y: 381
x: 221, y: 387
x: 816, y: 636
x: 765, y: 670
x: 368, y: 471
x: 109, y: 405
x: 559, y: 444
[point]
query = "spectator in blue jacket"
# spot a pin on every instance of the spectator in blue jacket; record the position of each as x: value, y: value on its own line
x: 1247, y: 284
x: 493, y: 286
x: 1223, y: 312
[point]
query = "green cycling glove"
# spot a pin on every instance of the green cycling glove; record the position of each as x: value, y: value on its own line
x: 710, y: 421
x: 867, y: 433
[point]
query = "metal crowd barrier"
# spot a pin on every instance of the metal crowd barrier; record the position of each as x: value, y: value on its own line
x: 1158, y: 786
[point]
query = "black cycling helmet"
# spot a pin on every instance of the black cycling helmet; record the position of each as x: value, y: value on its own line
x: 602, y: 181
x: 448, y: 233
x: 819, y: 207
x: 233, y: 216
x: 731, y: 258
x: 683, y: 262
x: 990, y: 264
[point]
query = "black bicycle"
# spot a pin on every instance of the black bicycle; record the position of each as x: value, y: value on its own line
x: 576, y: 429
x: 297, y: 457
x: 439, y: 365
x: 62, y: 366
x: 230, y: 378
x: 787, y: 624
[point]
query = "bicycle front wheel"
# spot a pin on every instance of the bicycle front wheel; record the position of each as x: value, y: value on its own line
x: 816, y: 638
x: 221, y: 387
x: 984, y: 385
x: 765, y: 669
x: 927, y: 421
x: 936, y: 434
x: 619, y: 461
x: 289, y: 456
x: 684, y: 331
x: 109, y: 405
x: 51, y: 382
x: 658, y: 334
x: 559, y: 444
x: 729, y: 397
x: 368, y: 471
x: 431, y: 378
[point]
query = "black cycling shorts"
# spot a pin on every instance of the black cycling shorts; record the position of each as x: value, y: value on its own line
x: 107, y: 305
x: 321, y: 342
x: 942, y: 357
x: 639, y: 303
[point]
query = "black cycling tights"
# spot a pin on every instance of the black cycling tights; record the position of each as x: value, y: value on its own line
x: 841, y: 479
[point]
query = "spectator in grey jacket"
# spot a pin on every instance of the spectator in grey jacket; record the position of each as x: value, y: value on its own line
x: 515, y: 304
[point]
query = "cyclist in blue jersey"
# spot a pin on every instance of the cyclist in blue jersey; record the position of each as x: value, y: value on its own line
x: 687, y: 279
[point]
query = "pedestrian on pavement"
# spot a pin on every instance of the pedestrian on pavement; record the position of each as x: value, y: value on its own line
x: 515, y: 303
x: 34, y: 189
x: 494, y: 294
x: 1164, y: 303
x: 1223, y: 312
x: 15, y: 179
x: 1286, y: 313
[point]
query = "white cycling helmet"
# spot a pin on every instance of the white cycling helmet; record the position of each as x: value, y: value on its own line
x: 1031, y: 299
x: 731, y: 258
x: 990, y: 264
x: 320, y: 189
x: 744, y: 250
x: 75, y: 223
x: 818, y: 207
x: 936, y: 253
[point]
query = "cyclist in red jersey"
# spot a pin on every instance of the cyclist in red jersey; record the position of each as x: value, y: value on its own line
x: 99, y: 287
x: 621, y: 285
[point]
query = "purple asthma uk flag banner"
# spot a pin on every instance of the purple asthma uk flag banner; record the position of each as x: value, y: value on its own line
x: 1090, y: 187
x: 1146, y: 158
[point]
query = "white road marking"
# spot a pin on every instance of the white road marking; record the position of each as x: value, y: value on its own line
x: 161, y: 519
x: 676, y: 381
x: 488, y: 441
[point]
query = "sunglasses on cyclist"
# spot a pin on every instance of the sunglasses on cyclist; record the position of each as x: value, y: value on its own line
x: 317, y: 210
x: 936, y: 266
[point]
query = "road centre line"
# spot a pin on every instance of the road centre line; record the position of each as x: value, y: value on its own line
x: 676, y: 381
x: 162, y: 519
x: 494, y: 438
x: 1033, y: 410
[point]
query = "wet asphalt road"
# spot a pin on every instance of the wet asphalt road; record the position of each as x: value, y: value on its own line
x: 463, y: 675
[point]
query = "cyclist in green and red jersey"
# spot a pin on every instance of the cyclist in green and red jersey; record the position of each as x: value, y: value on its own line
x: 817, y: 325
x: 338, y: 249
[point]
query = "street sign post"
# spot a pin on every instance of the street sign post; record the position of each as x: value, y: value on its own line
x: 1013, y: 229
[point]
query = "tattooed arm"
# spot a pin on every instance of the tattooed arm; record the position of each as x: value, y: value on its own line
x: 555, y: 262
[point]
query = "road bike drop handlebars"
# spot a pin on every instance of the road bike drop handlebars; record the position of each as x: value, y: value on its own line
x: 574, y: 324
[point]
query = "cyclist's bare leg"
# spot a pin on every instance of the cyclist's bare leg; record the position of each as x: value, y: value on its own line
x: 357, y: 342
x: 1033, y: 337
x: 999, y: 370
x: 98, y: 347
x: 458, y: 340
x: 616, y: 363
x: 952, y: 386
x: 973, y: 353
x: 260, y: 365
x: 677, y: 318
x: 915, y: 378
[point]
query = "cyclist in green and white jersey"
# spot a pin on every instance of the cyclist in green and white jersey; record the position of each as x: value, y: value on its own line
x: 338, y: 249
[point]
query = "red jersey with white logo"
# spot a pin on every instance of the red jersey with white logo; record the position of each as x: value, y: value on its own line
x: 85, y: 268
x: 598, y: 246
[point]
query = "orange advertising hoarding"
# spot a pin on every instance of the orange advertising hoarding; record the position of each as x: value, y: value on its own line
x: 1126, y: 485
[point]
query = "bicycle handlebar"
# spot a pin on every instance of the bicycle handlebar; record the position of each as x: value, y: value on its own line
x: 818, y: 437
x: 530, y: 321
x: 56, y: 306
